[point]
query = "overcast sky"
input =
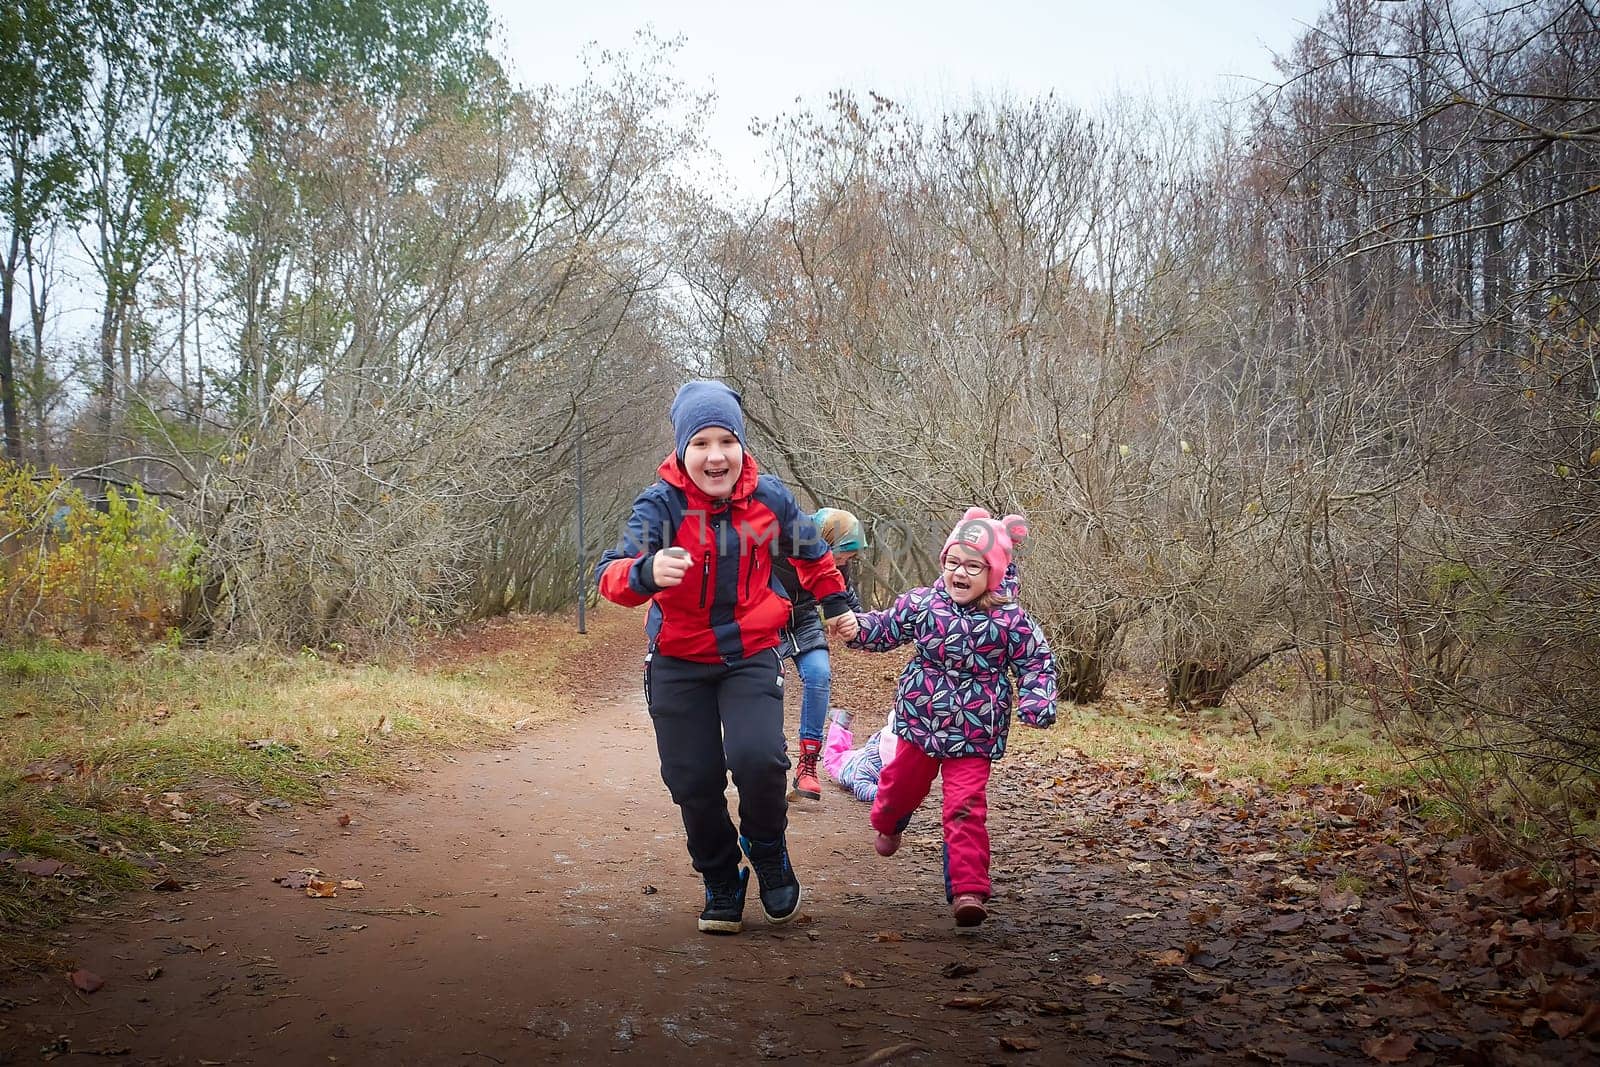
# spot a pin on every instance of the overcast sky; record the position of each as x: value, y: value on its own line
x: 760, y: 57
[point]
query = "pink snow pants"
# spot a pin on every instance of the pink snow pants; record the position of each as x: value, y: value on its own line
x: 903, y: 787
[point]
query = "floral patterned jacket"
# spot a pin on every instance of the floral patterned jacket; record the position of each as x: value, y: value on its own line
x: 955, y: 697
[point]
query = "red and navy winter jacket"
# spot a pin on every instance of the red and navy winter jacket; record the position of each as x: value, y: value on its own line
x: 728, y: 606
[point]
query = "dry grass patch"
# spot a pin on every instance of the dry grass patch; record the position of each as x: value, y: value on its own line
x: 118, y: 771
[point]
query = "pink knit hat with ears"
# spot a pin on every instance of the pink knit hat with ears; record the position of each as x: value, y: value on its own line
x: 993, y: 538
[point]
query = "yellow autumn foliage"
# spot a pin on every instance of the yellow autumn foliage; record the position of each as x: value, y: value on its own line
x: 80, y: 569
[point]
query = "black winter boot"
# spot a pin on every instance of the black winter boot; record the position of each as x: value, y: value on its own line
x: 724, y: 910
x: 780, y: 889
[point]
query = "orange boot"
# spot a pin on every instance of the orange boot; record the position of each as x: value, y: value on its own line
x: 807, y: 786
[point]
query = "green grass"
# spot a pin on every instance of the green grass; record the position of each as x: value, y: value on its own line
x: 1171, y: 747
x: 104, y: 737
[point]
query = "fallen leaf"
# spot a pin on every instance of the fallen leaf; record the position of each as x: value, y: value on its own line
x: 887, y: 935
x: 1395, y: 1048
x: 352, y: 883
x: 1019, y: 1043
x: 853, y: 982
x: 1094, y: 979
x: 974, y: 1003
x: 253, y: 809
x: 1340, y: 901
x: 167, y: 885
x: 889, y: 1052
x: 294, y: 880
x: 1562, y: 1024
x: 1172, y: 957
x: 316, y: 887
x: 196, y: 945
x: 1055, y: 1007
x: 42, y: 868
x: 1284, y: 924
x: 86, y: 981
x: 46, y: 772
x: 344, y: 818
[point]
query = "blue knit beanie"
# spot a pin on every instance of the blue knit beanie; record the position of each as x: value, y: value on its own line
x: 702, y: 404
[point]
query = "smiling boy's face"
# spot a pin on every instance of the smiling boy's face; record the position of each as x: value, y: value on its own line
x: 713, y: 459
x: 960, y: 582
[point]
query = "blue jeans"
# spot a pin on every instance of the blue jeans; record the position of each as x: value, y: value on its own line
x: 816, y: 688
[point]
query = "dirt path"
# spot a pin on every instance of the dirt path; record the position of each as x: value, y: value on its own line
x: 520, y: 906
x: 535, y: 905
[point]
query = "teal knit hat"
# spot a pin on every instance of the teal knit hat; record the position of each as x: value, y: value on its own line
x: 840, y: 529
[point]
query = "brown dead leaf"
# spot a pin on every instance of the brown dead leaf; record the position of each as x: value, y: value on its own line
x: 1094, y: 979
x: 42, y: 868
x: 887, y: 935
x: 316, y: 887
x: 1019, y: 1043
x: 86, y: 981
x: 1284, y: 924
x: 46, y: 772
x: 974, y: 1003
x: 1561, y: 1023
x: 1172, y: 957
x: 853, y: 982
x: 889, y: 1052
x: 294, y: 880
x: 196, y: 945
x: 344, y: 818
x: 1339, y: 901
x: 1395, y: 1048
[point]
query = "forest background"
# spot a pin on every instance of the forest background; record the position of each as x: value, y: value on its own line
x: 1301, y: 395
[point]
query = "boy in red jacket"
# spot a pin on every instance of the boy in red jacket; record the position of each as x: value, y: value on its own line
x: 698, y: 549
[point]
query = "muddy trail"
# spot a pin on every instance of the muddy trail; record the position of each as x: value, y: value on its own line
x: 535, y: 904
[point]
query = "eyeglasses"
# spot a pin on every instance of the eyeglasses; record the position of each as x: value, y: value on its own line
x: 970, y: 567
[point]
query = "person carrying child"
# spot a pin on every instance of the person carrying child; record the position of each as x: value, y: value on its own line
x: 698, y: 549
x: 804, y: 642
x: 954, y: 700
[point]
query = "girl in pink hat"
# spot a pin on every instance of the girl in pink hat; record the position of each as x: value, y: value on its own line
x: 979, y: 655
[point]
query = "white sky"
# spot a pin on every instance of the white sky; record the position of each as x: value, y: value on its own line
x: 760, y: 57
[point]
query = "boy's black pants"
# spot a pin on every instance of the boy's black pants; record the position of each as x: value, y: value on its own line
x: 710, y: 719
